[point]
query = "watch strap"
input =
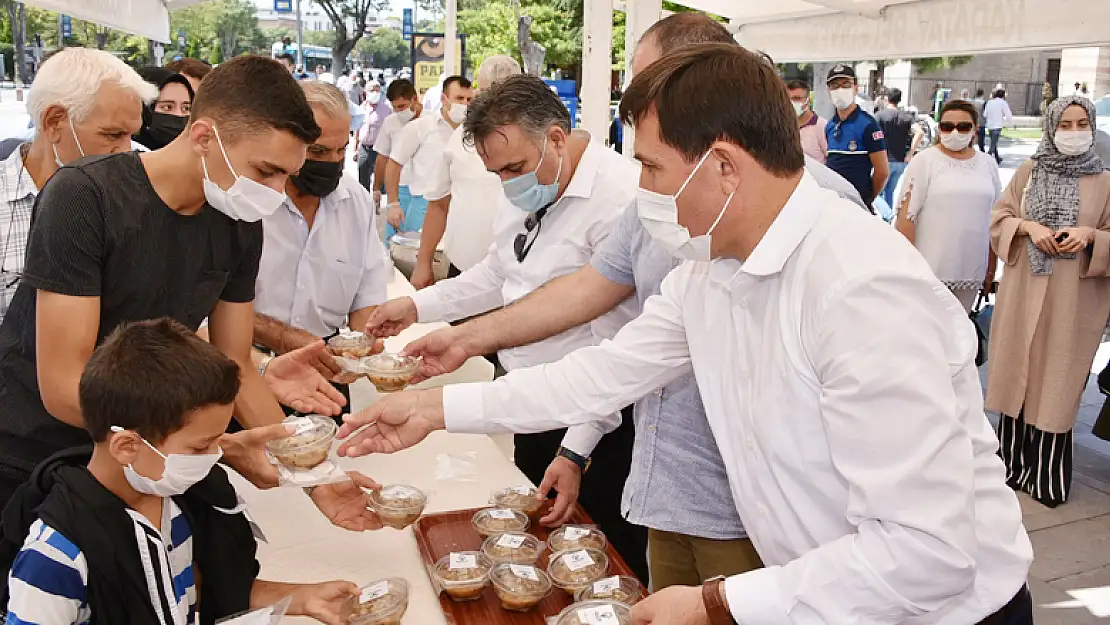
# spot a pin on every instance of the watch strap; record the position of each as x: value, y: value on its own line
x: 715, y: 606
x: 582, y: 461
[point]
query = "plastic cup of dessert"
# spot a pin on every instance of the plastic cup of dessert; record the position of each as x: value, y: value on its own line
x: 598, y: 611
x: 493, y: 521
x: 308, y: 446
x: 463, y: 574
x: 398, y: 505
x: 570, y: 537
x: 519, y: 586
x: 576, y: 570
x: 353, y: 345
x: 521, y: 498
x: 515, y: 547
x: 391, y: 372
x: 620, y: 588
x: 378, y: 603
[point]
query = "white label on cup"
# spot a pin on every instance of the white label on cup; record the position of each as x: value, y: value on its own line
x: 523, y: 571
x: 575, y: 533
x: 609, y: 584
x: 302, y: 425
x: 464, y: 561
x: 578, y: 560
x: 601, y: 615
x: 510, y: 541
x: 522, y: 490
x: 501, y: 513
x: 376, y: 591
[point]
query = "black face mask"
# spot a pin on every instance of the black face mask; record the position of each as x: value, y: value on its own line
x: 318, y: 178
x: 163, y: 129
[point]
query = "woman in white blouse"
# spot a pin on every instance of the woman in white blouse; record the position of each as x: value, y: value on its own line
x: 945, y: 207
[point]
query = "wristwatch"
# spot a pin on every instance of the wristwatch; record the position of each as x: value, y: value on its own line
x: 582, y: 461
x: 715, y: 606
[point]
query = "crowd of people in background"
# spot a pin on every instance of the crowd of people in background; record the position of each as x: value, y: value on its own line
x: 648, y: 322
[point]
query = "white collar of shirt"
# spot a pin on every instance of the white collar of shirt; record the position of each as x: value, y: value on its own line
x: 782, y: 239
x: 340, y: 194
x: 582, y: 180
x: 18, y: 183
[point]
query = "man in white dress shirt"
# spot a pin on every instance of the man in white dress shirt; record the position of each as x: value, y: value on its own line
x: 461, y: 181
x: 323, y: 265
x: 837, y: 373
x: 406, y: 108
x: 418, y: 148
x: 563, y: 192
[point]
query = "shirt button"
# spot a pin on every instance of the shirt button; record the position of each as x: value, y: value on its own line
x: 651, y: 428
x: 659, y: 393
x: 751, y: 443
x: 763, y: 510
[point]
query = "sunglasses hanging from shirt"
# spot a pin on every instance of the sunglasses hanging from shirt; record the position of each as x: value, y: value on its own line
x: 525, y: 240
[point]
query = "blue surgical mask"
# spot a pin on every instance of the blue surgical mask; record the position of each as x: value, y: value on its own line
x: 526, y: 192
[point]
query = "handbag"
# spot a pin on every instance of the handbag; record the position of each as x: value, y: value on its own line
x: 981, y: 315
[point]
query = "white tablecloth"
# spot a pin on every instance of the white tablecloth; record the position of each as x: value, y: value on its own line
x: 305, y: 547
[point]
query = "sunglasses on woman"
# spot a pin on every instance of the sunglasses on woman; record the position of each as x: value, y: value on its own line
x: 962, y: 126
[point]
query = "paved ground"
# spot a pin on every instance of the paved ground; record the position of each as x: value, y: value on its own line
x: 1070, y: 578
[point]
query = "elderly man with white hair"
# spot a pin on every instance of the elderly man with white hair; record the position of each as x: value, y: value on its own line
x: 375, y: 109
x: 83, y: 102
x: 462, y: 182
x: 324, y: 235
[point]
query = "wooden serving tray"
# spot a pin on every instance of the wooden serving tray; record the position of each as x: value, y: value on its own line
x: 439, y: 534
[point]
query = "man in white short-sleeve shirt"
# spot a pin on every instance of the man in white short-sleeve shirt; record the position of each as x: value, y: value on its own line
x: 837, y: 373
x: 406, y: 108
x: 418, y: 148
x: 462, y: 196
x: 323, y: 266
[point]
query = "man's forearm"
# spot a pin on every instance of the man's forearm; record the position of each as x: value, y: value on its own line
x: 552, y: 309
x: 278, y: 336
x: 392, y: 181
x: 917, y: 137
x: 379, y: 173
x: 435, y: 224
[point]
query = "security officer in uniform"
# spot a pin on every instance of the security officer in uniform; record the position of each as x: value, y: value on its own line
x: 857, y: 150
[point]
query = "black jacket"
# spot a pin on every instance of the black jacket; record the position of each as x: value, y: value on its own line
x: 69, y: 499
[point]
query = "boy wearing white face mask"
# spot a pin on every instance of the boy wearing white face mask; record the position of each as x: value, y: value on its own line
x: 144, y: 528
x: 857, y: 148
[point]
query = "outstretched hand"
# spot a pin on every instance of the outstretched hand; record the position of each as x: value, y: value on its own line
x: 295, y: 382
x: 441, y: 352
x: 393, y: 423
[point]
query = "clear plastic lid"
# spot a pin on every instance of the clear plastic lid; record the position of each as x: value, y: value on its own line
x: 524, y: 580
x: 377, y: 601
x: 576, y: 569
x: 522, y: 498
x: 595, y: 613
x: 347, y: 340
x: 492, y: 521
x: 576, y: 537
x: 620, y: 588
x: 311, y: 433
x: 407, y: 239
x: 386, y: 364
x: 463, y: 568
x: 515, y: 547
x: 399, y: 497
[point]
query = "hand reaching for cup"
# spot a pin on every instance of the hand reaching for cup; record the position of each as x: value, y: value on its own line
x: 393, y: 423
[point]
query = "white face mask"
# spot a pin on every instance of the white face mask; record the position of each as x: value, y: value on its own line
x: 181, y: 472
x: 457, y: 113
x: 58, y: 159
x: 843, y: 98
x: 955, y: 141
x: 659, y: 215
x: 406, y: 115
x: 1073, y: 142
x: 374, y: 97
x: 799, y: 108
x: 246, y: 200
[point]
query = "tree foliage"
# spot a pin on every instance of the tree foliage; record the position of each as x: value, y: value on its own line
x: 937, y: 63
x: 217, y: 30
x: 386, y: 47
x: 345, y: 39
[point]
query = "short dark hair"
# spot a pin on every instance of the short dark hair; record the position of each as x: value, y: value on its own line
x: 191, y: 68
x: 895, y: 96
x: 288, y: 58
x: 519, y: 100
x: 698, y: 83
x: 252, y: 91
x: 960, y: 105
x: 798, y: 84
x: 148, y: 376
x: 1001, y: 93
x: 978, y: 93
x: 400, y: 89
x: 462, y: 81
x: 682, y: 29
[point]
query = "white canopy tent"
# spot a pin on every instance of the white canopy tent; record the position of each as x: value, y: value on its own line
x: 148, y: 18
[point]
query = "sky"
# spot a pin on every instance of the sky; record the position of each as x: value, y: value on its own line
x: 395, y: 6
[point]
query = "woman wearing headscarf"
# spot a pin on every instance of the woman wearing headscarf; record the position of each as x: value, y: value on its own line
x: 1052, y: 229
x: 167, y: 116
